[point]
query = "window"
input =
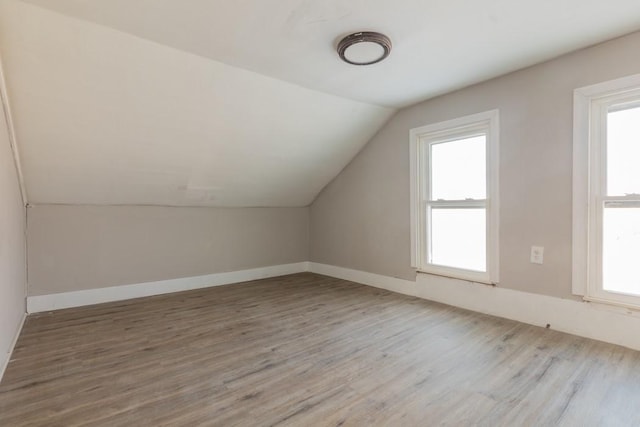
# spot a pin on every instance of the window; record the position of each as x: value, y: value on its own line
x: 607, y: 192
x: 454, y: 203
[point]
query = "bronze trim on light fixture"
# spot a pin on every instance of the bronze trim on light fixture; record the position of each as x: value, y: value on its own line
x: 364, y: 37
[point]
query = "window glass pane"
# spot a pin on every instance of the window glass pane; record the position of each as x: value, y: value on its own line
x: 458, y: 238
x: 621, y: 250
x: 623, y: 152
x: 458, y: 169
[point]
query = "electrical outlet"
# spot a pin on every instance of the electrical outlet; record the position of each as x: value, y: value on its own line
x: 537, y: 254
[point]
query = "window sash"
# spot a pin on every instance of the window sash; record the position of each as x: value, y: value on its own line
x: 599, y: 200
x: 596, y: 290
x: 421, y: 140
x: 428, y: 207
x: 428, y: 203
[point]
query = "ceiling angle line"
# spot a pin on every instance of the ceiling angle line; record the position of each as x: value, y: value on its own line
x: 4, y: 97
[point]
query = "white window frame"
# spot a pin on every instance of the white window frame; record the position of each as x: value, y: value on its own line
x: 420, y: 140
x: 591, y: 105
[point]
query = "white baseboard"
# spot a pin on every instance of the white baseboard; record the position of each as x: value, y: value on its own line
x: 574, y: 317
x: 40, y: 303
x: 7, y: 356
x: 400, y: 286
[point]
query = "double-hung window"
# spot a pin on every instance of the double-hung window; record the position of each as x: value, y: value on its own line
x: 454, y: 177
x: 606, y: 241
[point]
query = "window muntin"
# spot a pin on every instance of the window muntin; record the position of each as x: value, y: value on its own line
x: 454, y: 198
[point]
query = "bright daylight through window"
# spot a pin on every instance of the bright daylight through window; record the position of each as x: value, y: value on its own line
x: 607, y: 187
x: 621, y: 204
x: 454, y: 197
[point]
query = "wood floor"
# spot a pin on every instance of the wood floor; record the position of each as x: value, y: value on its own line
x: 307, y: 350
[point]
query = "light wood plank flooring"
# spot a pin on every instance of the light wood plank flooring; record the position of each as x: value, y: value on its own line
x: 307, y: 350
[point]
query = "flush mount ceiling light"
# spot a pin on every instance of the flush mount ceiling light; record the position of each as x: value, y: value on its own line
x: 364, y: 48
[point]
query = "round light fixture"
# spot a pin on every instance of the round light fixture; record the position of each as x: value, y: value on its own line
x: 364, y: 48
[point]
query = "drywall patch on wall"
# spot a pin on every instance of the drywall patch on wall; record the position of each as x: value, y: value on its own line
x: 578, y: 318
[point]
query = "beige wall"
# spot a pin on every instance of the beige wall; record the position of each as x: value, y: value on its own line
x: 83, y: 247
x: 361, y: 219
x: 12, y: 250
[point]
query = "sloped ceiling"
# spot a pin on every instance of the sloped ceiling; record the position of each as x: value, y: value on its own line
x: 244, y: 103
x: 103, y: 117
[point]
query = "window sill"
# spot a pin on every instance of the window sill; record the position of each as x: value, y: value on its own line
x: 628, y: 308
x: 458, y: 275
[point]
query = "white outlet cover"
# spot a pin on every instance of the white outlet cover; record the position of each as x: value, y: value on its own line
x: 537, y: 254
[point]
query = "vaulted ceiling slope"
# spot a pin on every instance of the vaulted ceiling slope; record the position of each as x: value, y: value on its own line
x: 244, y: 103
x: 104, y: 117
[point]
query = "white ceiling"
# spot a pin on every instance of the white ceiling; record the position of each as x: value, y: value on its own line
x: 439, y: 45
x: 244, y: 102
